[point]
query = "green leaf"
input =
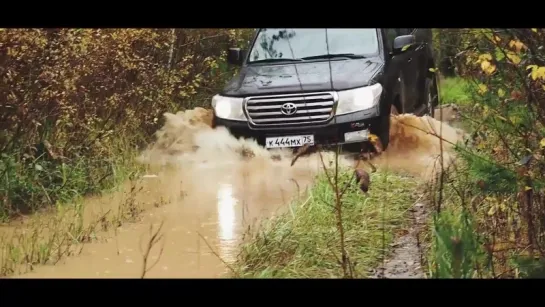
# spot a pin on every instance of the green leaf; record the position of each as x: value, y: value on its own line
x: 38, y: 167
x: 499, y: 54
x: 406, y: 47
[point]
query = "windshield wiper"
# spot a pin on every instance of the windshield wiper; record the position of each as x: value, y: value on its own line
x: 335, y: 55
x: 276, y: 60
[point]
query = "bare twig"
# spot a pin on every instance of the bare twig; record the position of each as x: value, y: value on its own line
x: 155, y: 237
x: 218, y: 255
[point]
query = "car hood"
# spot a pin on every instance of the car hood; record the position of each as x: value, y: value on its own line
x: 303, y: 76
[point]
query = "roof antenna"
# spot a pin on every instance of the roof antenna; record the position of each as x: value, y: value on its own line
x: 294, y: 65
x: 328, y: 59
x: 329, y: 63
x: 296, y: 71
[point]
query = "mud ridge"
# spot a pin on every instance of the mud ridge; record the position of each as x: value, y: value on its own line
x: 405, y: 260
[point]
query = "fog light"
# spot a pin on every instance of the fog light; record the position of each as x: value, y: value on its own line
x: 356, y: 136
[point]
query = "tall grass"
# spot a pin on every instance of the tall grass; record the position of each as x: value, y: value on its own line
x: 306, y: 241
x: 77, y: 104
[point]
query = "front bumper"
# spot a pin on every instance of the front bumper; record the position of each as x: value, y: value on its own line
x: 329, y: 134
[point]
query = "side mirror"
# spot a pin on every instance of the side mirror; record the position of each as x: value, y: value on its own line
x: 235, y: 56
x: 401, y: 42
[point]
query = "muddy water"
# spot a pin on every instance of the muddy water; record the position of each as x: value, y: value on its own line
x: 216, y: 187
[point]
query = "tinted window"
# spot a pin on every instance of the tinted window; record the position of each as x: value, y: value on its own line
x: 300, y: 43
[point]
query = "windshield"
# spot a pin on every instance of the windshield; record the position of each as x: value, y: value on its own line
x: 293, y: 44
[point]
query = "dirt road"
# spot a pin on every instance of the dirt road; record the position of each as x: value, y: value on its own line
x: 216, y: 188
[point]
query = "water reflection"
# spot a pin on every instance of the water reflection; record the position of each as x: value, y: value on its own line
x: 227, y: 222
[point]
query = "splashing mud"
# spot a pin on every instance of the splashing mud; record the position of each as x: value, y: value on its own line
x: 201, y: 156
x: 218, y: 185
x: 416, y: 144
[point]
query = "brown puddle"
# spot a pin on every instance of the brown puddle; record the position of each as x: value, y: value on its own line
x: 215, y: 187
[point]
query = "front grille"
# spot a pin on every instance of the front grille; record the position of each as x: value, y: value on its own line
x: 313, y: 108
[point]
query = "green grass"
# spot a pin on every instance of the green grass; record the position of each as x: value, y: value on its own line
x: 304, y: 242
x: 39, y: 183
x: 455, y: 90
x: 456, y: 250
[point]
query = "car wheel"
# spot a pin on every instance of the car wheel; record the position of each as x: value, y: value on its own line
x: 380, y: 129
x: 430, y: 97
x: 384, y: 126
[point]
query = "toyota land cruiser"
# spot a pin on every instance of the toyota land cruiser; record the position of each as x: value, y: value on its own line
x: 327, y: 86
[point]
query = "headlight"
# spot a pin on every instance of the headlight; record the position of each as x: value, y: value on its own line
x: 358, y: 99
x: 228, y: 107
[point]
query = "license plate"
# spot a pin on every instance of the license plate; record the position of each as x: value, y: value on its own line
x: 289, y: 141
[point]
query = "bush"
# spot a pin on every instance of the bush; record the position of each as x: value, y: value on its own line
x: 504, y: 167
x: 76, y: 104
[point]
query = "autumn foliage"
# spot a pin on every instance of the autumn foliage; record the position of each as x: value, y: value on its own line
x: 503, y: 189
x: 75, y: 102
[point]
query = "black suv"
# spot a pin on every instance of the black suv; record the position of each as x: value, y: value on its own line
x: 327, y: 86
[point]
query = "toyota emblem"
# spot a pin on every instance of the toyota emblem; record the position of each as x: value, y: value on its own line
x: 288, y: 108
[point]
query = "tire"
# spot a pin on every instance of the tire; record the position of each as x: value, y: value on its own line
x: 381, y: 128
x: 430, y: 96
x: 384, y: 127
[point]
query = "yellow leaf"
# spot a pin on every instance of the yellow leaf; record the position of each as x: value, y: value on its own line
x: 516, y: 120
x: 519, y: 45
x: 534, y: 29
x: 492, y: 210
x: 433, y: 69
x: 405, y: 47
x: 542, y: 143
x: 527, y: 188
x: 497, y: 38
x: 514, y: 58
x: 482, y: 89
x: 501, y: 92
x: 543, y: 87
x: 539, y: 73
x: 485, y: 57
x: 490, y: 69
